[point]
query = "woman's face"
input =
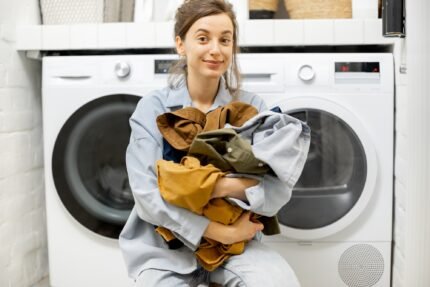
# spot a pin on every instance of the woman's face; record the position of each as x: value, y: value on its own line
x: 208, y: 46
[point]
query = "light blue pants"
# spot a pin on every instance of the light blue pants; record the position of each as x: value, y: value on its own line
x: 258, y: 266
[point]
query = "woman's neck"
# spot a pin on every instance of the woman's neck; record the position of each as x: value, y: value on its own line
x: 202, y: 92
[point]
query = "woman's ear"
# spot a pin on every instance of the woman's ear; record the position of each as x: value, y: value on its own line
x: 180, y: 49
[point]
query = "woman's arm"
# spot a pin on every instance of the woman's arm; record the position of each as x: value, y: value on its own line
x: 264, y: 197
x: 233, y: 187
x: 144, y: 149
x: 241, y: 230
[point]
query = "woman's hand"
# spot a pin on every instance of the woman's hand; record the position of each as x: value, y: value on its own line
x: 233, y: 187
x: 243, y: 229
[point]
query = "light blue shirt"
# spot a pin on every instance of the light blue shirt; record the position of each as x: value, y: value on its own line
x: 141, y: 246
x: 279, y: 140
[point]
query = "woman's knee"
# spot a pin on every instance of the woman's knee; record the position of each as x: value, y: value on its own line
x: 160, y: 278
x: 261, y: 266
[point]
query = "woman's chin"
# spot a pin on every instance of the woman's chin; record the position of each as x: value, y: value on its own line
x: 213, y: 73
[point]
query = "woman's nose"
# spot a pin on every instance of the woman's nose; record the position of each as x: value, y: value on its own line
x: 215, y: 48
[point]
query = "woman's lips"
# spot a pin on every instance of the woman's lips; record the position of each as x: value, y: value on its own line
x: 213, y: 64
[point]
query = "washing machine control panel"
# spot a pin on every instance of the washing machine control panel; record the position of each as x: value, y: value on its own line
x: 162, y: 66
x: 357, y: 72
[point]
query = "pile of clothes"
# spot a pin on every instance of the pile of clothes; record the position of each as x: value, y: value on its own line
x: 233, y: 140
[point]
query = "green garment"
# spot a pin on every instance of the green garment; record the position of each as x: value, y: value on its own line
x: 228, y: 151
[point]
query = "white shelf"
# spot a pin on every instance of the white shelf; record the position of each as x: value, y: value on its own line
x: 160, y: 34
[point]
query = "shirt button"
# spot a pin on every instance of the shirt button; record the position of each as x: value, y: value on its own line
x: 229, y: 149
x: 260, y: 164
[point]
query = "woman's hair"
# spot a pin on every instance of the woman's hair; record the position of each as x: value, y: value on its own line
x: 187, y: 14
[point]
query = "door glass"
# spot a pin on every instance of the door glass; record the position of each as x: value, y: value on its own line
x: 89, y: 164
x: 101, y: 154
x: 333, y: 177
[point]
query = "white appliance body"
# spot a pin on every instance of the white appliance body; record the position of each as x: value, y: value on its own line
x: 327, y: 255
x: 79, y: 256
x: 355, y: 248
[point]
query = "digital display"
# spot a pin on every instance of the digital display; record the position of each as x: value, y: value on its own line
x: 163, y: 66
x: 357, y: 67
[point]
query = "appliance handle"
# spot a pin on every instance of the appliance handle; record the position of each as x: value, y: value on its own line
x: 257, y: 77
x: 341, y: 187
x: 77, y: 77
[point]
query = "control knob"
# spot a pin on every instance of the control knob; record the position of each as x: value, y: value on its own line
x: 122, y: 69
x: 306, y: 73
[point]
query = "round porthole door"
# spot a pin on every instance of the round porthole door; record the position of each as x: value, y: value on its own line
x: 339, y: 176
x: 88, y: 164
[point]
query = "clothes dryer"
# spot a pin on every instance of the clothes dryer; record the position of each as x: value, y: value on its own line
x: 87, y: 102
x: 337, y: 227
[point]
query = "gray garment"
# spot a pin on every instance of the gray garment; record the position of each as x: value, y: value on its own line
x: 141, y: 246
x: 268, y: 269
x: 279, y: 140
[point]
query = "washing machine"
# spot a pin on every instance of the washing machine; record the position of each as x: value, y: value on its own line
x: 337, y: 228
x: 87, y: 102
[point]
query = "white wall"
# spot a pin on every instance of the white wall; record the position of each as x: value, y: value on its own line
x: 417, y: 223
x: 400, y: 172
x: 23, y: 247
x: 412, y: 227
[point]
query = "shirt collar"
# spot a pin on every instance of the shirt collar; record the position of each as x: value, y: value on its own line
x: 179, y: 97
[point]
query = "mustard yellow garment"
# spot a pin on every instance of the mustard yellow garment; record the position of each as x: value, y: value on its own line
x: 188, y: 184
x: 176, y: 188
x: 211, y: 254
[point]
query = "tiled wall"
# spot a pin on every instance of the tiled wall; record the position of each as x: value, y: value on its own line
x: 23, y: 247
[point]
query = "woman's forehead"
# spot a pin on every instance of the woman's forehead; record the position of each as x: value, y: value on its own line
x: 217, y: 24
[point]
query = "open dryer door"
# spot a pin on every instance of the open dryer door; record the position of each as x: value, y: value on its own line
x: 339, y: 175
x: 88, y: 164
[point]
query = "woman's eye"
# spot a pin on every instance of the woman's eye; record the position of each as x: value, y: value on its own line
x: 226, y: 41
x: 202, y: 39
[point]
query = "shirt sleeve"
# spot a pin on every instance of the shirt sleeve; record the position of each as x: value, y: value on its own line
x: 265, y: 198
x: 271, y: 194
x: 257, y: 102
x: 143, y: 151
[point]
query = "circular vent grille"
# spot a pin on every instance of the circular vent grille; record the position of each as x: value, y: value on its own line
x: 361, y: 265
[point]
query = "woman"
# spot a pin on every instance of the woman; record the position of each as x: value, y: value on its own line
x: 206, y: 41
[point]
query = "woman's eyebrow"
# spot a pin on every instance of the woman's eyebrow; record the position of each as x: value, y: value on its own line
x: 206, y: 31
x: 201, y: 30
